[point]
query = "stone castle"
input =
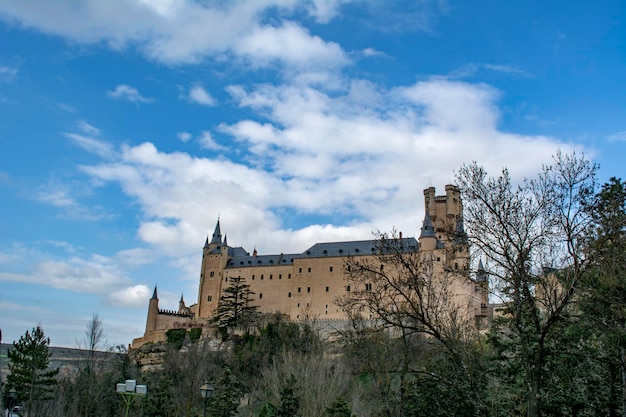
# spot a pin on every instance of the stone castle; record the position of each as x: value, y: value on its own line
x: 305, y: 286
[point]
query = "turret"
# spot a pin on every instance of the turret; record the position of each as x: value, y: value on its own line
x: 153, y: 312
x: 181, y: 304
x: 453, y: 201
x: 427, y: 239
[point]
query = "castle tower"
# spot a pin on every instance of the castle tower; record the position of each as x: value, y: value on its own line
x: 153, y: 312
x: 214, y: 259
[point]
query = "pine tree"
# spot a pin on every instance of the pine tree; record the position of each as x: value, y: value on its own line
x: 29, y: 373
x: 234, y: 308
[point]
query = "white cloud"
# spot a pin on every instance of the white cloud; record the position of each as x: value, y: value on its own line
x: 368, y: 52
x: 134, y: 296
x: 617, y: 137
x: 207, y: 142
x: 290, y: 43
x: 128, y: 93
x: 95, y: 275
x: 365, y: 151
x: 177, y: 32
x: 199, y: 95
x: 183, y: 136
x: 91, y: 145
x: 7, y: 73
x: 86, y: 128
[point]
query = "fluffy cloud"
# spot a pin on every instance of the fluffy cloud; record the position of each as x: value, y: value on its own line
x: 134, y: 296
x: 199, y: 95
x: 186, y: 31
x: 127, y: 93
x: 360, y: 158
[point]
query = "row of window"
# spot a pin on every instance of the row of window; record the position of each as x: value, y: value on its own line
x: 368, y: 287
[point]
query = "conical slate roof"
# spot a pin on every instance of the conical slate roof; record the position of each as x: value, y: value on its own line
x: 217, y: 235
x: 427, y: 227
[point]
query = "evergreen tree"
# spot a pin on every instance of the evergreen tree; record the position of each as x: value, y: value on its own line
x: 234, y: 308
x: 225, y: 400
x: 29, y: 374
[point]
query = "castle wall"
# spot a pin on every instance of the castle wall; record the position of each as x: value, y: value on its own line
x: 307, y: 286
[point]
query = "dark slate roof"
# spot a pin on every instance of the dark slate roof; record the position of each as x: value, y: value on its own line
x: 427, y: 227
x: 217, y: 235
x: 319, y: 250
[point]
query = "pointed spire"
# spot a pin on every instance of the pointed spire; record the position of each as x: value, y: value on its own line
x: 154, y: 294
x: 481, y: 274
x: 217, y: 235
x: 427, y: 227
x: 460, y: 235
x: 225, y: 240
x: 181, y: 298
x: 206, y: 242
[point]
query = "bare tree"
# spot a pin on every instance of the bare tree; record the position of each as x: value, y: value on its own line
x: 532, y: 236
x: 423, y: 297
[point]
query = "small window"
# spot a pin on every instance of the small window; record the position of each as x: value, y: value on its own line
x: 261, y: 276
x: 212, y: 274
x: 260, y: 296
x: 438, y: 259
x: 325, y: 251
x: 271, y: 276
x: 348, y: 268
x: 357, y: 250
x: 209, y: 298
x: 347, y: 288
x: 307, y: 304
x: 368, y: 287
x: 289, y: 276
x: 299, y: 289
x: 308, y: 289
x: 271, y: 261
x: 382, y: 267
x: 249, y: 262
x: 241, y: 263
x: 289, y: 295
x: 280, y: 276
x: 252, y: 277
x: 308, y: 252
x: 298, y: 306
x: 326, y: 305
x: 309, y: 270
x: 327, y: 289
x: 300, y: 270
x: 340, y: 250
x: 259, y: 261
x: 331, y: 269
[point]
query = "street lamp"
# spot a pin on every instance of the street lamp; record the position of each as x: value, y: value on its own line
x: 205, y: 390
x: 11, y: 395
x: 130, y: 391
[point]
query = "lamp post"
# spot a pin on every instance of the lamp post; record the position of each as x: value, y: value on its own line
x: 130, y: 391
x: 11, y: 397
x: 205, y: 390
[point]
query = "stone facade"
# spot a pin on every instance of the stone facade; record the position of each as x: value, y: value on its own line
x: 305, y: 286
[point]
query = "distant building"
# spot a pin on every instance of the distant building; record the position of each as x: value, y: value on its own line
x: 305, y: 286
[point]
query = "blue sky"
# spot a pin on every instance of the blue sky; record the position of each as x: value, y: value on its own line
x: 128, y: 126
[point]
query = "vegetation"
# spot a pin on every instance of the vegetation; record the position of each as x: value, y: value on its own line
x: 29, y: 375
x: 554, y: 250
